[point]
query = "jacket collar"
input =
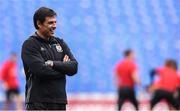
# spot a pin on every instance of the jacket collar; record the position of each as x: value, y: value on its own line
x: 35, y: 35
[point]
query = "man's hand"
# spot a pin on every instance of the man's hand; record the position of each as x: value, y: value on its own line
x: 176, y: 94
x: 5, y: 86
x: 66, y: 58
x: 49, y: 63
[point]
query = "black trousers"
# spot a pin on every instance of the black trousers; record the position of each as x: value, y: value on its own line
x: 162, y: 94
x: 126, y: 94
x: 46, y: 106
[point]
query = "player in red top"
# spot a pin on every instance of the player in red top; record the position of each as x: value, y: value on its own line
x: 167, y: 84
x: 10, y: 81
x: 126, y: 75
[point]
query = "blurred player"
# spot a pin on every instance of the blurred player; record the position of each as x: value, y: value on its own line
x: 165, y: 87
x: 10, y: 82
x: 126, y: 75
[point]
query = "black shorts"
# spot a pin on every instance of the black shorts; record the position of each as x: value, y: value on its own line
x: 160, y: 94
x: 45, y: 106
x: 11, y: 92
x: 178, y: 98
x: 127, y: 94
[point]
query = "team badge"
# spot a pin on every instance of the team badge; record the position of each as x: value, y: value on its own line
x: 59, y: 48
x: 43, y: 49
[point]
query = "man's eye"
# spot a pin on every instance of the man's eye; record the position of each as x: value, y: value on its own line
x: 52, y: 22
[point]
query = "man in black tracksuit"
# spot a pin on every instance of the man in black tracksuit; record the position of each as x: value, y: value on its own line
x: 47, y: 60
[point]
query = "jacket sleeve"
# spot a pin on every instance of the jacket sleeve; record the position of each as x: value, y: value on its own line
x: 70, y: 68
x: 32, y: 58
x: 152, y: 74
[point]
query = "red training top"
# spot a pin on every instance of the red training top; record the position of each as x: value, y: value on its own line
x: 168, y: 79
x: 124, y: 71
x: 9, y: 74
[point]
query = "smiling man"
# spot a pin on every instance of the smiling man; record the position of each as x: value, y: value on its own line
x: 47, y: 60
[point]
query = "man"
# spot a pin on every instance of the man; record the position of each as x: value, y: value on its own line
x: 10, y: 82
x: 167, y: 83
x: 47, y: 60
x: 126, y: 73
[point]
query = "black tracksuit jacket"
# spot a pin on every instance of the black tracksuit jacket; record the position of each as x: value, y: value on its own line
x: 44, y: 83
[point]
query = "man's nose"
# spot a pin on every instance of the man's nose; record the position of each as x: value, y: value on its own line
x: 53, y: 25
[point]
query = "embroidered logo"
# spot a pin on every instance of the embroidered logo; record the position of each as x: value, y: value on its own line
x: 43, y: 49
x: 59, y: 48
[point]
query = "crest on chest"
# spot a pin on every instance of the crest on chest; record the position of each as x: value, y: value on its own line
x: 59, y: 48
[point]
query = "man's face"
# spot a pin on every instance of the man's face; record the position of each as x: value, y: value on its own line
x: 48, y: 27
x: 13, y: 57
x: 132, y: 55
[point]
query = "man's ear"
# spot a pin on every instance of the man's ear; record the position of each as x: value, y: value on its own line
x: 39, y: 24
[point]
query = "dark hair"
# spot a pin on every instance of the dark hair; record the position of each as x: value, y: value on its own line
x: 171, y: 63
x: 127, y: 52
x: 41, y: 15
